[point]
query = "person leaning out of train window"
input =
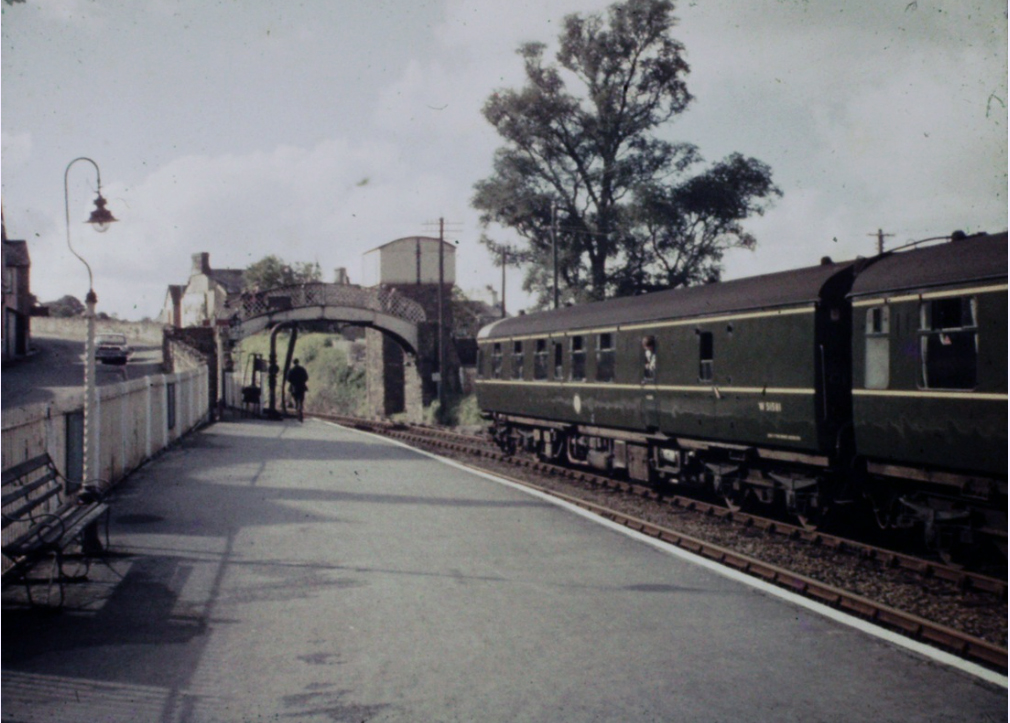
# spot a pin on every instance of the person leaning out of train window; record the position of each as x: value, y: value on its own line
x: 649, y: 350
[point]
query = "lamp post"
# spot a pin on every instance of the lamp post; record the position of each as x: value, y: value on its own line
x: 100, y: 219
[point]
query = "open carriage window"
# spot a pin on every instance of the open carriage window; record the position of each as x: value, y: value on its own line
x: 705, y: 356
x: 605, y: 357
x: 578, y: 359
x: 540, y: 360
x: 948, y: 343
x: 496, y: 361
x: 648, y: 358
x: 517, y: 360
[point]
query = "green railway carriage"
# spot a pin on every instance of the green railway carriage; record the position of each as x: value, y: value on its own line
x: 882, y: 379
x: 930, y: 377
x: 687, y: 383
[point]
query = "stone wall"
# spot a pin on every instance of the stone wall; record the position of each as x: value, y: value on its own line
x: 77, y: 328
x: 427, y: 296
x: 383, y: 374
x: 388, y: 367
x: 189, y: 348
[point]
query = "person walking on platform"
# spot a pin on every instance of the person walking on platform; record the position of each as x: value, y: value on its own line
x: 298, y: 378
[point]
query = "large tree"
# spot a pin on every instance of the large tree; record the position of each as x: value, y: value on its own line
x: 631, y: 213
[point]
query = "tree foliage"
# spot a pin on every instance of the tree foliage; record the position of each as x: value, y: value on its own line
x: 272, y: 271
x: 629, y: 215
x: 65, y: 307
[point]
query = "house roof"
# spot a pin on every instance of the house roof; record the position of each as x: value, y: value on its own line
x: 966, y: 259
x: 769, y: 291
x: 412, y: 238
x: 230, y: 279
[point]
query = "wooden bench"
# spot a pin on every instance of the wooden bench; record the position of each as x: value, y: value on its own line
x: 41, y: 521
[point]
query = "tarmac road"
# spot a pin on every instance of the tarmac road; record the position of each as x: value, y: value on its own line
x: 57, y: 369
x: 278, y: 571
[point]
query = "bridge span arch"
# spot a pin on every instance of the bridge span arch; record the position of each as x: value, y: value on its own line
x: 385, y: 310
x: 404, y: 332
x: 378, y: 308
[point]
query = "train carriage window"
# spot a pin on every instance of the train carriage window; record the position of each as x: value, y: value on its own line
x: 948, y: 343
x: 605, y: 357
x: 648, y: 358
x: 559, y: 360
x: 540, y: 360
x: 878, y: 348
x: 496, y: 361
x: 705, y: 356
x: 578, y: 359
x: 480, y: 362
x: 517, y: 360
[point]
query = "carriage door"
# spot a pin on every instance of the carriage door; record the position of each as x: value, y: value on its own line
x: 648, y: 361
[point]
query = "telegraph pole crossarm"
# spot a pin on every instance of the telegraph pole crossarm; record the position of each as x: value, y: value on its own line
x: 880, y: 235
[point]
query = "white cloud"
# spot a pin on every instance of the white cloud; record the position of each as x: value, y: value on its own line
x: 80, y: 12
x: 329, y: 203
x: 16, y: 149
x: 320, y: 132
x: 869, y: 117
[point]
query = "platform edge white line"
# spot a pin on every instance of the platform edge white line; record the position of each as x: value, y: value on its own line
x: 876, y: 631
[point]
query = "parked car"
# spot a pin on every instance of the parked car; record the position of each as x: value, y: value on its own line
x: 112, y: 349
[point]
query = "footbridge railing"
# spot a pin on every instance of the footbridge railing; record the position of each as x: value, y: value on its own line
x: 287, y: 298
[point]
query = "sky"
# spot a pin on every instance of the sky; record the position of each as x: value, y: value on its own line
x: 321, y: 129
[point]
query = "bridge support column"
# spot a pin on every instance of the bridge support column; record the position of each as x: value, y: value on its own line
x: 413, y: 393
x: 384, y: 374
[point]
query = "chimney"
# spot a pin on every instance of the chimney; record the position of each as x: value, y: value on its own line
x: 340, y: 276
x: 201, y: 263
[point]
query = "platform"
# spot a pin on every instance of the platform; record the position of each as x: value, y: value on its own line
x: 275, y: 571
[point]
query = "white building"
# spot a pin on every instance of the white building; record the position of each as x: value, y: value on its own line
x: 204, y: 299
x: 411, y: 260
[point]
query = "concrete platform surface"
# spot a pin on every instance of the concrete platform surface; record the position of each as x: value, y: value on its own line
x: 276, y: 571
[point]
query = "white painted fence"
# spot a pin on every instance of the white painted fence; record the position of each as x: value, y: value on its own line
x: 136, y: 420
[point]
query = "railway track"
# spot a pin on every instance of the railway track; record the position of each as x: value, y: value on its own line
x: 946, y: 583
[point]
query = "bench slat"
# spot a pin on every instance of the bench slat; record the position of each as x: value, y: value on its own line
x: 87, y: 515
x: 15, y: 492
x: 74, y: 521
x: 20, y: 513
x: 27, y: 467
x: 29, y: 488
x: 40, y: 538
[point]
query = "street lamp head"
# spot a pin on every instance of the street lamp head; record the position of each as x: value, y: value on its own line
x: 101, y: 217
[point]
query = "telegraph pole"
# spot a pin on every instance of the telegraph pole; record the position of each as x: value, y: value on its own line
x: 504, y: 259
x: 554, y: 248
x: 880, y: 239
x: 440, y: 345
x: 441, y: 315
